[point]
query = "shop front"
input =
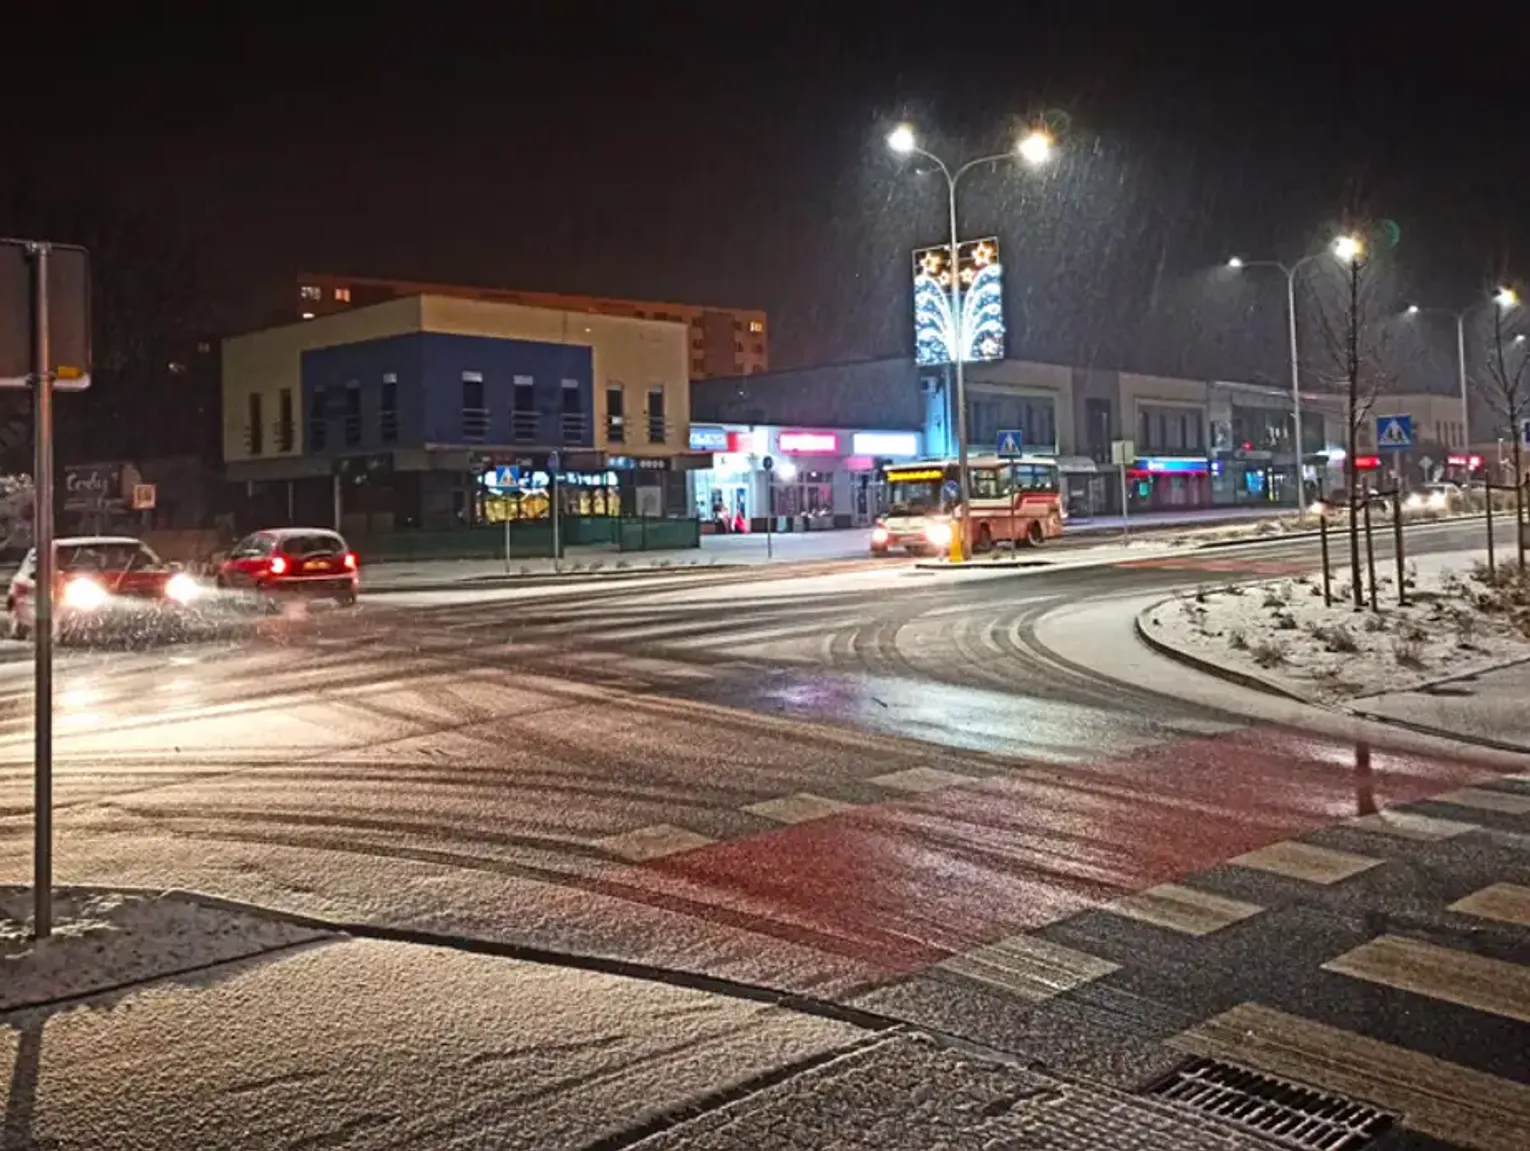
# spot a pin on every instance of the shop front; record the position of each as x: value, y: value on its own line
x: 1169, y: 483
x: 804, y: 479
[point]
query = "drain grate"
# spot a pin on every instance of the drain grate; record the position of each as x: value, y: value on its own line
x: 1294, y: 1115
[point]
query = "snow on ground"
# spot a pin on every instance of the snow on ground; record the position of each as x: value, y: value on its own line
x: 1455, y: 624
x: 103, y: 939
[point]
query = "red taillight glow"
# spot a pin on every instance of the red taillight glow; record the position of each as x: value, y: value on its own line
x: 278, y: 565
x: 350, y: 560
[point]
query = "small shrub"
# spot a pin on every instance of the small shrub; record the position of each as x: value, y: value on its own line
x: 1235, y: 589
x: 1285, y: 621
x: 1408, y: 653
x: 1375, y: 622
x: 1200, y: 595
x: 1269, y: 653
x: 1466, y: 625
x: 1336, y: 638
x: 1303, y: 581
x: 1275, y: 598
x: 1315, y: 592
x: 1412, y: 633
x: 1265, y: 528
x: 1237, y: 640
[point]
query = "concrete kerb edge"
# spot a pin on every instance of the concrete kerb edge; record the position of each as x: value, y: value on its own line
x: 544, y: 579
x: 1208, y: 666
x: 1314, y: 533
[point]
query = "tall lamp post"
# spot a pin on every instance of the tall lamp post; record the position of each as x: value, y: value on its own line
x: 1290, y: 272
x: 1033, y: 149
x: 1504, y: 298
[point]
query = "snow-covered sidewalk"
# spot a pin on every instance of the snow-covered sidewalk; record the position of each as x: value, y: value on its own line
x: 1280, y: 633
x: 105, y: 940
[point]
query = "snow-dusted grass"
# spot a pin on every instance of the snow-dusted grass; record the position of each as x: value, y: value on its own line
x: 103, y: 939
x: 1455, y: 623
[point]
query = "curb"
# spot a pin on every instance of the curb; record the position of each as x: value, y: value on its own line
x: 1284, y: 537
x: 1210, y: 667
x: 545, y: 579
x: 1483, y: 741
x: 982, y: 565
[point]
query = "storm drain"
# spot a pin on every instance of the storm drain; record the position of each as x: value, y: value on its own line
x: 1296, y: 1116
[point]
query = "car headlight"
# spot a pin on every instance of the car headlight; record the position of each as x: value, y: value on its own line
x: 1318, y: 508
x: 938, y: 534
x: 879, y: 535
x: 1415, y: 501
x: 1438, y: 500
x: 83, y: 594
x: 182, y: 588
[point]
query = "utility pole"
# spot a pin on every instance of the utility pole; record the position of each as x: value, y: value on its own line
x: 1353, y: 447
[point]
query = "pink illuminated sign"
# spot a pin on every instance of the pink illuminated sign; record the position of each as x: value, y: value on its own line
x: 809, y: 443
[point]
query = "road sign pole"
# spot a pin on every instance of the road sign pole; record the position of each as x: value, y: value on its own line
x: 1126, y: 536
x: 42, y: 623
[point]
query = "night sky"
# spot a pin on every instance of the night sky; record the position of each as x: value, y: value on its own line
x: 734, y: 154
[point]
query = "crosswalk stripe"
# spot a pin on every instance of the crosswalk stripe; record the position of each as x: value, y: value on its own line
x: 1504, y: 802
x: 1443, y: 1100
x: 1504, y: 902
x: 1183, y: 909
x: 1410, y: 825
x: 1304, y: 861
x: 1458, y: 977
x: 652, y: 842
x: 1029, y: 968
x: 798, y: 808
x: 920, y: 779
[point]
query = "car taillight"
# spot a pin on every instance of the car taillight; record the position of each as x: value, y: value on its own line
x: 278, y: 565
x: 350, y: 560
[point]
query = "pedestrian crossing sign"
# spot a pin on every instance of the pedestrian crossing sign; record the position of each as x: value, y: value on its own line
x: 1011, y: 442
x: 1394, y: 432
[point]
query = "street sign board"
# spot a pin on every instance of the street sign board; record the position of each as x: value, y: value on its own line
x: 1394, y: 433
x: 143, y: 497
x: 1123, y: 452
x: 1011, y: 442
x: 68, y: 315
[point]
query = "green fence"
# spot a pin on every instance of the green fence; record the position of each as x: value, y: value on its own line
x: 647, y: 535
x: 529, y: 539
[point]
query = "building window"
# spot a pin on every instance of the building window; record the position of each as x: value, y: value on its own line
x: 756, y: 327
x: 257, y: 426
x: 318, y: 421
x: 656, y: 417
x: 616, y: 415
x: 475, y: 417
x: 572, y: 414
x: 311, y: 292
x: 343, y: 295
x: 353, y: 414
x: 523, y: 410
x: 286, y: 432
x: 387, y: 410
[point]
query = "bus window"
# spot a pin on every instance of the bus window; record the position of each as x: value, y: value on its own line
x: 990, y: 483
x: 1036, y: 477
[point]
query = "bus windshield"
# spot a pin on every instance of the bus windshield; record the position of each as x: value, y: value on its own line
x: 920, y: 497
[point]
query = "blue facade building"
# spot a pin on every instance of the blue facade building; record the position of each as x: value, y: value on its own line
x: 431, y: 388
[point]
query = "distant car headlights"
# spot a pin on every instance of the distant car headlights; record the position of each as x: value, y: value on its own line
x: 1439, y: 501
x: 182, y: 588
x: 879, y: 536
x: 83, y: 594
x: 1415, y: 501
x: 939, y: 535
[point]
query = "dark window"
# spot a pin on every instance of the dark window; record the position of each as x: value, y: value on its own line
x: 353, y: 415
x: 313, y: 544
x: 252, y: 546
x: 573, y: 412
x: 257, y: 426
x: 656, y: 417
x: 616, y: 416
x: 475, y: 417
x: 286, y: 432
x: 387, y: 412
x: 523, y: 410
x: 318, y: 420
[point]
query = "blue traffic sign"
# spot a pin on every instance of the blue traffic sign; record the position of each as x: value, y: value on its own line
x: 1011, y: 442
x: 507, y: 477
x: 1393, y: 433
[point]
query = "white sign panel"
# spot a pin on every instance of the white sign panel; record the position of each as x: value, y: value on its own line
x: 885, y: 443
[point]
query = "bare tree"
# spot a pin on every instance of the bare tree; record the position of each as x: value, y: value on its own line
x: 1349, y: 357
x: 1505, y: 385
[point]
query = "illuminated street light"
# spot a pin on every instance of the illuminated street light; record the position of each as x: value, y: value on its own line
x: 1506, y: 298
x: 1034, y: 148
x: 1235, y: 262
x: 1348, y: 248
x: 1414, y: 309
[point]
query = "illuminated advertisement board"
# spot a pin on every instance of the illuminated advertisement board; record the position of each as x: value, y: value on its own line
x: 981, y: 280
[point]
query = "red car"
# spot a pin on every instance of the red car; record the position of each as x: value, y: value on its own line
x: 101, y: 583
x: 311, y: 562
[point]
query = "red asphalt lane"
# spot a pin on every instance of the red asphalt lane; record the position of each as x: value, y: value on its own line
x: 904, y: 885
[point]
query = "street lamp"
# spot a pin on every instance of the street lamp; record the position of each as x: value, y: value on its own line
x: 1034, y: 148
x: 1505, y: 298
x: 1348, y: 248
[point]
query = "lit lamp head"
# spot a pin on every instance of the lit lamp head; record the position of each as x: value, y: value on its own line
x: 901, y: 139
x: 1348, y: 248
x: 1235, y: 262
x: 1413, y: 309
x: 1506, y: 297
x: 1035, y: 147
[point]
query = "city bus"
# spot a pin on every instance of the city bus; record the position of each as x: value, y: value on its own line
x: 1014, y: 501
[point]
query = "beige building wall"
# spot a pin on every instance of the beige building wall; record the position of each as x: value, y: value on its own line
x: 1026, y: 377
x: 1436, y: 419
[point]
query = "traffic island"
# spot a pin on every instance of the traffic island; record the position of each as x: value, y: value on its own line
x: 1281, y: 636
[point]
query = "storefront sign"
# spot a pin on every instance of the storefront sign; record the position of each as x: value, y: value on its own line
x: 708, y: 439
x: 93, y: 487
x: 1172, y: 466
x: 809, y: 443
x: 885, y: 443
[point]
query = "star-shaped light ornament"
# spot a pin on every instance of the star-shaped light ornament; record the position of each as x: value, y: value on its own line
x: 945, y: 279
x: 967, y: 274
x: 931, y: 263
x: 982, y: 255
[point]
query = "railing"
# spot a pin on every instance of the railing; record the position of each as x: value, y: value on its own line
x: 387, y: 427
x: 616, y: 430
x: 574, y: 427
x: 523, y: 427
x: 318, y: 434
x: 658, y: 426
x: 353, y: 431
x: 475, y: 425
